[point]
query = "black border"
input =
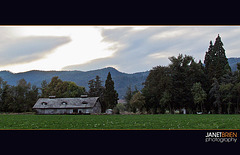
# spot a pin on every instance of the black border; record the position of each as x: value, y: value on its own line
x: 95, y: 21
x: 116, y: 141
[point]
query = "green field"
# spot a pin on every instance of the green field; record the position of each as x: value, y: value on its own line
x: 164, y: 121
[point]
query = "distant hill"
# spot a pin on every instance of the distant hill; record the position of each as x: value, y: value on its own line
x: 121, y: 80
x: 233, y: 63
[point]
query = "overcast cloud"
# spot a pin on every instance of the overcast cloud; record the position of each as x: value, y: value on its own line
x: 15, y: 49
x: 141, y: 49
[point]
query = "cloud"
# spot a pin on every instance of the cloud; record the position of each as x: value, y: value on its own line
x: 141, y: 49
x: 18, y: 50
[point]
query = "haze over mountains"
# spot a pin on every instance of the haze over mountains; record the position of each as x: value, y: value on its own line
x: 233, y: 63
x: 121, y: 80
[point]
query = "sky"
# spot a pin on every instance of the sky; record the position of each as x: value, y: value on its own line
x: 129, y: 49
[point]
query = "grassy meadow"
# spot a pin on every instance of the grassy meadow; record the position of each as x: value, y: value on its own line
x: 166, y: 121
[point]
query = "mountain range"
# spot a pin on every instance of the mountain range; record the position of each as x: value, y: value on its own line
x: 233, y: 63
x: 81, y: 78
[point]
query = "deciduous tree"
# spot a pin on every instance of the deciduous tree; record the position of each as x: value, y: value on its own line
x: 138, y: 102
x: 199, y: 95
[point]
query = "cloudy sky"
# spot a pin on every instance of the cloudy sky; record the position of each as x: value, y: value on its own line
x: 127, y: 48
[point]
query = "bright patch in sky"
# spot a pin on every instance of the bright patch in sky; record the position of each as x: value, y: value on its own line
x: 85, y: 45
x: 127, y: 48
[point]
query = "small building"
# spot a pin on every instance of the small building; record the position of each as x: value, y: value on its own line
x: 109, y: 111
x: 82, y: 105
x: 122, y: 101
x: 184, y: 111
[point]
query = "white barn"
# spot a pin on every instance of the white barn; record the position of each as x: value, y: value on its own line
x: 83, y: 105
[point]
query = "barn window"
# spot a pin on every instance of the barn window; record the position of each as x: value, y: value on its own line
x: 44, y: 103
x: 84, y: 102
x: 64, y: 103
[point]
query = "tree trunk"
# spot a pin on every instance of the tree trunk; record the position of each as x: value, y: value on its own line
x: 219, y: 109
x: 171, y: 110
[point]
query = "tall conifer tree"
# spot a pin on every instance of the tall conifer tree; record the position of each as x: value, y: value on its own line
x: 98, y: 86
x: 222, y: 66
x: 208, y: 61
x: 216, y: 63
x: 110, y: 94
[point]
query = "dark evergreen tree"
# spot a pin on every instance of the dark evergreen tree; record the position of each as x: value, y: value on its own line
x: 98, y: 86
x: 95, y: 87
x: 31, y: 98
x: 97, y: 90
x: 208, y: 61
x: 110, y: 94
x: 222, y: 66
x: 216, y: 63
x: 91, y: 91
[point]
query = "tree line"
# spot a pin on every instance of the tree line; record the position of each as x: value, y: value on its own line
x: 185, y: 84
x: 23, y: 96
x: 19, y: 98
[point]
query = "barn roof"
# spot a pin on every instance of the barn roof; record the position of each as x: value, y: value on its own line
x: 47, y: 103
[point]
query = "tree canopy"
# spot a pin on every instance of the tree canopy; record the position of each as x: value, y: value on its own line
x: 60, y: 88
x: 185, y: 83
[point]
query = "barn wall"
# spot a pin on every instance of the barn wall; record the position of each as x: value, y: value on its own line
x: 86, y: 111
x: 97, y: 108
x: 64, y: 111
x: 40, y: 111
x: 54, y: 111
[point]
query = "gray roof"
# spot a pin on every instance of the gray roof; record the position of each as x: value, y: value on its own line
x: 88, y: 102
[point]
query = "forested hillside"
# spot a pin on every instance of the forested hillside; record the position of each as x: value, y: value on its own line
x: 233, y: 63
x: 122, y: 80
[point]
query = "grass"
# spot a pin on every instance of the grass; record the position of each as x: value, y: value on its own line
x: 165, y: 121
